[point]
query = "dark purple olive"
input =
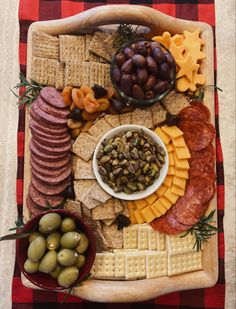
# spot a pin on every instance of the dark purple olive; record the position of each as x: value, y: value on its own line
x: 138, y: 60
x: 151, y: 82
x: 134, y: 78
x: 127, y: 67
x: 170, y: 59
x: 69, y: 191
x: 142, y: 75
x: 116, y: 74
x: 161, y: 87
x: 126, y: 83
x: 99, y: 91
x: 140, y: 48
x: 151, y: 65
x: 75, y: 114
x: 154, y: 45
x: 120, y: 59
x: 137, y: 92
x: 122, y: 221
x: 158, y: 55
x: 117, y: 105
x: 128, y: 52
x: 149, y: 94
x: 164, y: 71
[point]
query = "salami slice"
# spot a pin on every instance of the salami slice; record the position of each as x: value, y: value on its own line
x: 203, y: 108
x: 45, y: 128
x: 32, y: 207
x: 53, y: 97
x: 50, y: 165
x: 52, y: 178
x: 171, y: 220
x: 45, y: 156
x: 44, y: 200
x: 190, y: 113
x: 162, y: 226
x: 51, y: 110
x: 63, y: 150
x: 37, y: 130
x: 186, y: 212
x: 51, y: 141
x: 197, y: 135
x: 49, y: 189
x: 50, y: 173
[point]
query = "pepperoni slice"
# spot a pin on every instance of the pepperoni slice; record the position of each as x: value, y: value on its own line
x: 190, y: 113
x: 171, y: 220
x: 197, y: 135
x: 186, y: 212
x: 206, y: 154
x: 162, y: 226
x: 201, y: 168
x: 199, y: 191
x: 203, y: 108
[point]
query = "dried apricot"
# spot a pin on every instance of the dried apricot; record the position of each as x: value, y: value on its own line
x: 78, y: 98
x: 89, y: 116
x: 86, y: 90
x: 104, y: 104
x: 91, y: 105
x: 66, y: 94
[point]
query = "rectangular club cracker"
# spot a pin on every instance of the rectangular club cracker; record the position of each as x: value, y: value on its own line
x: 83, y: 169
x: 156, y: 264
x: 177, y: 245
x: 174, y: 102
x: 142, y: 117
x: 100, y: 128
x: 152, y: 239
x: 142, y: 237
x: 130, y: 237
x: 84, y: 146
x: 72, y: 48
x: 135, y: 265
x: 104, y: 211
x: 182, y: 263
x: 113, y: 236
x: 45, y: 45
x: 76, y: 73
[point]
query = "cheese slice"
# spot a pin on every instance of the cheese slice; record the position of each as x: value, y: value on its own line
x: 177, y: 190
x: 147, y: 214
x: 172, y: 197
x: 178, y: 142
x: 172, y: 132
x: 168, y: 181
x: 182, y: 153
x: 159, y: 206
x: 132, y: 216
x: 171, y: 159
x: 179, y: 182
x: 167, y: 204
x: 151, y: 198
x: 140, y: 203
x: 169, y: 147
x: 164, y: 137
x: 171, y: 170
x: 138, y: 216
x: 181, y: 173
x: 160, y: 191
x: 131, y: 205
x: 155, y: 211
x: 181, y: 164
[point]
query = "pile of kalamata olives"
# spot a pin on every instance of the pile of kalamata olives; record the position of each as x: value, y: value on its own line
x: 143, y: 70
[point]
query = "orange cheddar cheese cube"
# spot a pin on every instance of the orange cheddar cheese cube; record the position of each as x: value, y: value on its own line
x: 132, y: 217
x: 178, y: 191
x: 161, y: 190
x: 179, y: 182
x: 166, y: 203
x: 178, y: 142
x: 138, y: 216
x: 181, y: 173
x: 171, y: 171
x: 171, y: 159
x: 172, y: 132
x: 164, y: 137
x: 140, y: 204
x: 159, y: 206
x: 131, y: 205
x: 147, y: 214
x: 169, y: 147
x: 172, y: 197
x: 168, y: 181
x: 155, y: 211
x: 181, y: 164
x: 151, y: 198
x: 182, y: 153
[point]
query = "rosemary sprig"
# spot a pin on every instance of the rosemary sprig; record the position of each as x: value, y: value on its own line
x: 125, y: 34
x: 19, y: 224
x: 32, y: 90
x: 202, y: 230
x: 198, y: 95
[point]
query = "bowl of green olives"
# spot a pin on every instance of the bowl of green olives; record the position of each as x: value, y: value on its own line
x: 59, y: 251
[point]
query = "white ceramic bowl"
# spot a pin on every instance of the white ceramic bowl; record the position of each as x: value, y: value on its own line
x: 136, y: 195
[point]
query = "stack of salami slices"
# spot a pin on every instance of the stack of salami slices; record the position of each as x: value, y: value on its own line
x: 199, y: 134
x: 50, y: 151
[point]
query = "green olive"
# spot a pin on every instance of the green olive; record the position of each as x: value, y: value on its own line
x: 83, y: 244
x: 48, y: 262
x: 54, y: 274
x: 49, y: 223
x: 37, y: 249
x: 53, y: 241
x: 80, y: 261
x: 33, y: 236
x: 68, y: 276
x: 67, y: 257
x: 31, y: 267
x: 68, y: 225
x: 70, y: 240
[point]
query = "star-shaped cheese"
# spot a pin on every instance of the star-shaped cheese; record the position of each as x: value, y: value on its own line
x: 164, y: 39
x: 178, y: 39
x: 176, y: 51
x: 193, y: 37
x: 183, y: 84
x: 187, y: 66
x: 194, y: 50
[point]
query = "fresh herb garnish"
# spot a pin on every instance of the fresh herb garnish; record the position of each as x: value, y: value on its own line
x: 198, y: 95
x: 19, y: 224
x: 202, y: 230
x: 32, y: 90
x: 125, y: 34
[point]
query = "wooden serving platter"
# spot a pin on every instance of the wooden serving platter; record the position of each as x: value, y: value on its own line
x: 107, y: 16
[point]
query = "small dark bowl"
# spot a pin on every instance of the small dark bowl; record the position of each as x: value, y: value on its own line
x: 141, y: 103
x: 45, y: 281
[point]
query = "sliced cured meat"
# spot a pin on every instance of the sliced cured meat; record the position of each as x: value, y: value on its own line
x: 162, y: 226
x: 171, y: 220
x: 199, y: 168
x: 53, y: 97
x: 49, y: 189
x: 190, y: 113
x: 197, y: 135
x: 54, y: 111
x: 50, y: 165
x: 45, y: 156
x: 205, y: 207
x: 44, y: 200
x: 32, y: 207
x: 198, y: 191
x: 47, y: 129
x: 51, y: 141
x: 36, y: 130
x: 203, y: 108
x: 206, y: 154
x: 42, y: 116
x: 63, y: 150
x: 186, y: 212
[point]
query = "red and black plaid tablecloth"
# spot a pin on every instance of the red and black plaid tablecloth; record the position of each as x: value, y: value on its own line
x: 210, y: 298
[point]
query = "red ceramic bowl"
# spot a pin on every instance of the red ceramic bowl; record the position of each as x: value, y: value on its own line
x: 45, y: 281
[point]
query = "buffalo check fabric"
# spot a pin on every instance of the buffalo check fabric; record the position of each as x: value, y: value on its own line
x: 209, y: 298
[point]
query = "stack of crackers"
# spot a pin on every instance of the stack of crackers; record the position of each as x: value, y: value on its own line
x: 70, y: 60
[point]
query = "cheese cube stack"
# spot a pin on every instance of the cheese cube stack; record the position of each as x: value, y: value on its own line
x: 158, y: 203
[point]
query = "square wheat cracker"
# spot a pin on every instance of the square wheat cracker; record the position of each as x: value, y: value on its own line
x: 45, y: 45
x: 83, y: 169
x: 100, y: 128
x: 183, y: 263
x: 73, y: 206
x: 142, y: 117
x: 118, y: 207
x: 158, y: 113
x: 86, y: 213
x: 84, y: 146
x: 104, y: 211
x: 125, y: 118
x: 113, y: 120
x: 113, y: 236
x: 98, y: 47
x: 76, y: 73
x: 174, y: 102
x: 82, y: 187
x: 72, y: 48
x: 39, y: 70
x: 156, y: 264
x: 60, y: 75
x: 89, y: 56
x: 97, y: 193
